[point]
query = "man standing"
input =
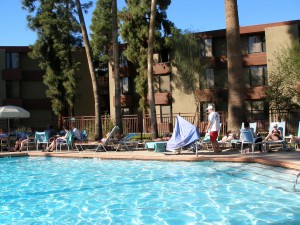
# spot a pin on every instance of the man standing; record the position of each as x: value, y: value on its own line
x: 213, y: 127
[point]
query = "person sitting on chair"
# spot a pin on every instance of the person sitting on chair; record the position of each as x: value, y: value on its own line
x: 63, y: 138
x: 275, y: 134
x: 20, y: 144
x: 257, y: 139
x: 77, y: 136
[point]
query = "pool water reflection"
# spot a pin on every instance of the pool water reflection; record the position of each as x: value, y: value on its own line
x: 93, y: 191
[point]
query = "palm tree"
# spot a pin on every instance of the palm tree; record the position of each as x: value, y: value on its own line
x: 236, y: 84
x: 98, y: 123
x: 150, y: 70
x: 118, y: 113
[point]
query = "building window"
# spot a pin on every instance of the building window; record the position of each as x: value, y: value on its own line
x: 258, y: 75
x: 123, y: 61
x: 209, y: 81
x: 12, y: 60
x: 12, y: 89
x: 256, y: 44
x: 164, y: 84
x: 125, y: 85
x: 255, y: 110
x: 164, y: 56
x: 206, y: 49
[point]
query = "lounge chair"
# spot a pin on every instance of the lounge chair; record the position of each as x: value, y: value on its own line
x: 40, y: 138
x: 126, y: 142
x: 248, y: 138
x: 67, y: 142
x: 97, y: 146
x: 281, y: 127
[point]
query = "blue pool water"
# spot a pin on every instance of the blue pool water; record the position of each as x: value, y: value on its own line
x: 93, y: 191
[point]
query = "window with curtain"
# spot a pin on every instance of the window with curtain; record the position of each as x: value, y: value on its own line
x: 12, y: 60
x: 164, y: 83
x: 258, y: 75
x: 256, y: 44
x: 206, y: 47
x: 209, y: 78
x: 123, y: 60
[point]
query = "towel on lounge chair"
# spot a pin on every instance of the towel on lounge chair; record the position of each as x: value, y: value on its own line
x: 184, y: 134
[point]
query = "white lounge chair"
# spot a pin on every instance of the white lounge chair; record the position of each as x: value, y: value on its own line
x: 281, y: 127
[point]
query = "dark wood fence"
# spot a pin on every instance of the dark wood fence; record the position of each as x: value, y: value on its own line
x: 142, y: 124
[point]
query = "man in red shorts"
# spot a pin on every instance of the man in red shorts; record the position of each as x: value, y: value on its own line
x: 213, y: 127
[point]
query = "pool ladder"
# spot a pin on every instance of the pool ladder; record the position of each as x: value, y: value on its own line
x: 296, y: 182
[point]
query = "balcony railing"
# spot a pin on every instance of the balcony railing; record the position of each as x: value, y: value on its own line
x: 161, y: 68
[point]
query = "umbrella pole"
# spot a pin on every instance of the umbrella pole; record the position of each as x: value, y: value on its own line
x: 8, y: 132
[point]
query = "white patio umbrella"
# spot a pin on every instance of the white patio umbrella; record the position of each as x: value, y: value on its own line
x: 13, y: 112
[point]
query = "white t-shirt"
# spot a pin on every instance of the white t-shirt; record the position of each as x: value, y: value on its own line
x: 214, y: 119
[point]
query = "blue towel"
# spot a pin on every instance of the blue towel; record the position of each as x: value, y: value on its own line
x: 184, y: 134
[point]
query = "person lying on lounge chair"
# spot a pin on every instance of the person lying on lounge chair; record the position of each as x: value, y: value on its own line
x: 165, y: 137
x: 275, y: 135
x: 229, y: 136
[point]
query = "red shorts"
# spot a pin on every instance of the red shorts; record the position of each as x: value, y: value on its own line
x: 213, y: 135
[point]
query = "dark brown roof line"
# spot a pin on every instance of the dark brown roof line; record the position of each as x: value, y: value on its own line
x: 248, y: 29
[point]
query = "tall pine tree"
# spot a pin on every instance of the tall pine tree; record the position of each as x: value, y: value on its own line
x: 57, y: 38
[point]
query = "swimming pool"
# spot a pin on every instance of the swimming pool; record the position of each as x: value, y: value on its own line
x: 93, y: 191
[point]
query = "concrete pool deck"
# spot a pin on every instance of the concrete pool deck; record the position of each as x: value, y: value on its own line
x: 285, y: 159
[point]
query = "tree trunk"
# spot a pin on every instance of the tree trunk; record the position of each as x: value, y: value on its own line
x: 150, y: 70
x: 98, y: 123
x: 118, y: 114
x: 236, y: 84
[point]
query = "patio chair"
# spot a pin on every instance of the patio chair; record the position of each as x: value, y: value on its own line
x: 296, y: 141
x: 67, y: 142
x: 248, y: 138
x: 40, y: 138
x: 281, y: 127
x: 126, y: 142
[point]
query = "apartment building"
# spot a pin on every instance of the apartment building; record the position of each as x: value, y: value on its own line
x: 21, y: 84
x: 258, y: 45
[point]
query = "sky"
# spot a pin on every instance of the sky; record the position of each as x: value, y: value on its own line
x: 192, y: 15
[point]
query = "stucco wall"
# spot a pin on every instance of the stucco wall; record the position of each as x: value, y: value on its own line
x: 278, y: 38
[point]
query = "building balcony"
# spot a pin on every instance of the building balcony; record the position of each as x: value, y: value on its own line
x: 255, y: 93
x: 218, y: 94
x: 26, y: 75
x: 161, y: 68
x: 12, y: 74
x: 125, y: 71
x: 13, y: 101
x: 163, y: 98
x: 32, y: 75
x: 255, y: 59
x: 103, y: 81
x: 37, y: 104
